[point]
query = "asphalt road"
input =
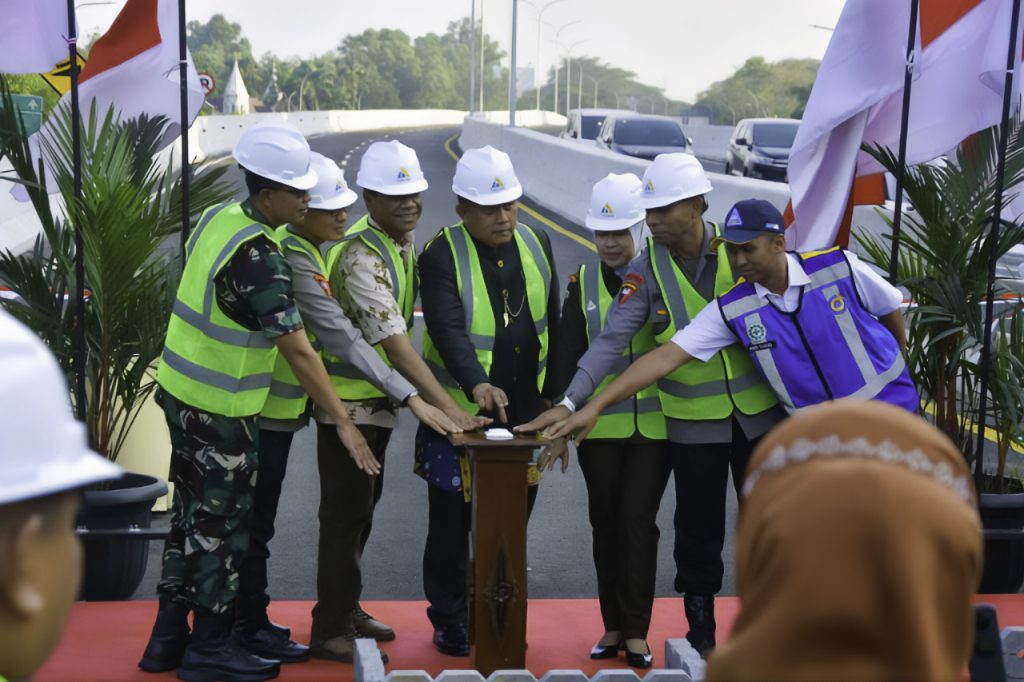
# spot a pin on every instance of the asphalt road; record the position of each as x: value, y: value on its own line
x: 559, y: 533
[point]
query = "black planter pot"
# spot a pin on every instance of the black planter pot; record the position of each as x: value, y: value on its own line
x: 113, y: 526
x: 1002, y: 517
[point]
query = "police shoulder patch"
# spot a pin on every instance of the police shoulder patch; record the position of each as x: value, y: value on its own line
x: 324, y: 284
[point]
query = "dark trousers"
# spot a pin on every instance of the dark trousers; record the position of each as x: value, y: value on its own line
x: 446, y: 555
x: 702, y: 479
x: 252, y: 573
x: 625, y: 482
x: 347, y: 500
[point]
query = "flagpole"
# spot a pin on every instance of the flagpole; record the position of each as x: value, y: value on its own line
x: 986, y: 342
x: 76, y: 165
x: 908, y: 79
x: 185, y: 169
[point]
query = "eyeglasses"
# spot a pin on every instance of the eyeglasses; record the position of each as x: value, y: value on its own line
x: 337, y: 214
x: 291, y: 190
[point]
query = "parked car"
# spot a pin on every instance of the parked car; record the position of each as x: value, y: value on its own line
x: 644, y: 136
x: 585, y: 124
x: 759, y: 148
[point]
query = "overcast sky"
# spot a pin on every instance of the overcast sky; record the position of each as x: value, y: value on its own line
x: 680, y: 45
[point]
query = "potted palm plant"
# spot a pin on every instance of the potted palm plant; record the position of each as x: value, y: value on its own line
x: 944, y: 254
x: 129, y: 217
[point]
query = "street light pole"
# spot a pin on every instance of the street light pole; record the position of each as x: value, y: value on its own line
x: 558, y: 64
x: 595, y: 89
x: 512, y: 67
x: 540, y: 14
x: 483, y: 41
x: 568, y: 72
x: 472, y: 53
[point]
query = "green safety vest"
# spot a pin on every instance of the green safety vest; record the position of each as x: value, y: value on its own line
x: 642, y: 411
x: 287, y: 398
x: 349, y: 384
x: 704, y: 390
x: 209, y: 360
x: 476, y: 304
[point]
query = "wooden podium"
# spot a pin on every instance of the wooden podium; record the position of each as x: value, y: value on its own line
x: 497, y: 570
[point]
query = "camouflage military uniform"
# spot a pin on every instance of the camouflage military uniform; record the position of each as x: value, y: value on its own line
x: 214, y: 458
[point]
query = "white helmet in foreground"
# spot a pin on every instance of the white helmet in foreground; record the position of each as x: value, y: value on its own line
x: 277, y: 151
x: 331, y: 192
x: 673, y: 177
x: 44, y: 449
x: 391, y: 168
x: 615, y: 203
x: 485, y: 176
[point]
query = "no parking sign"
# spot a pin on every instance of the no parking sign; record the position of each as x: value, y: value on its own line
x: 207, y: 82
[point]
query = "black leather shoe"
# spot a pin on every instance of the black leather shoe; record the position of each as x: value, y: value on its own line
x: 214, y: 655
x: 700, y: 614
x: 605, y: 650
x: 169, y: 638
x: 452, y: 640
x: 639, y: 660
x: 268, y: 642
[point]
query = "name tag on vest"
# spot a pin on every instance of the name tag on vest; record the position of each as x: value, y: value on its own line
x: 764, y: 345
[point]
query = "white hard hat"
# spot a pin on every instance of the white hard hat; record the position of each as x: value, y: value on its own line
x: 43, y: 450
x: 485, y: 176
x: 391, y: 168
x: 331, y: 192
x: 277, y: 151
x: 615, y: 203
x: 673, y: 177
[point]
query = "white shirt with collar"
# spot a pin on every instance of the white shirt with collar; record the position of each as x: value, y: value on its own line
x: 708, y: 333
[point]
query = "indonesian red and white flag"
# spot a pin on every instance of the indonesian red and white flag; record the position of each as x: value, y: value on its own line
x: 134, y: 68
x: 857, y: 98
x: 32, y: 35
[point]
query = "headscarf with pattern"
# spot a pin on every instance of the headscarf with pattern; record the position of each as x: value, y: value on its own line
x: 858, y: 550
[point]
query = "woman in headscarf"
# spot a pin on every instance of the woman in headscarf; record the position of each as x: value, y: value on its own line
x: 625, y: 461
x: 858, y: 550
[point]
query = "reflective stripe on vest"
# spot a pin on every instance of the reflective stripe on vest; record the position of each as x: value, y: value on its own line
x: 642, y: 410
x: 287, y: 399
x: 210, y: 361
x: 349, y: 383
x: 476, y: 304
x: 864, y: 360
x: 728, y: 380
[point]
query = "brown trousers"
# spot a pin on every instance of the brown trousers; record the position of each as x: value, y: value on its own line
x: 348, y: 497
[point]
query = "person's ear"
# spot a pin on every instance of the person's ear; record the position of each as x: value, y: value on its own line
x: 19, y: 592
x: 263, y: 198
x: 460, y: 209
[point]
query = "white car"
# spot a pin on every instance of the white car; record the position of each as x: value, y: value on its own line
x: 584, y: 124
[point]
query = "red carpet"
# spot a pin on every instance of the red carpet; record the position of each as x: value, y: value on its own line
x: 103, y: 641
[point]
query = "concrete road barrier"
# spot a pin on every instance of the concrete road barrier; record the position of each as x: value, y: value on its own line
x: 559, y: 174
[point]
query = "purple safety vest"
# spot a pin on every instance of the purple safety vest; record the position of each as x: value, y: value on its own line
x: 829, y: 348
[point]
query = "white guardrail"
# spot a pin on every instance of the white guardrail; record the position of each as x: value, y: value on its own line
x: 211, y: 137
x: 558, y: 174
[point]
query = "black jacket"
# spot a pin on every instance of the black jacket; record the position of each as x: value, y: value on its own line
x: 516, y: 347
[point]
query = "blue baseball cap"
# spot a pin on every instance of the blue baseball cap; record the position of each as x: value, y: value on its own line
x: 749, y: 219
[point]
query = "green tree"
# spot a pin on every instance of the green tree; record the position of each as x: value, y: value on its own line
x: 216, y: 45
x: 381, y: 68
x: 616, y: 88
x: 759, y: 88
x: 33, y: 84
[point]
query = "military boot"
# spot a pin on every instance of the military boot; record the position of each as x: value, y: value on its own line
x: 256, y: 634
x: 700, y: 614
x: 213, y: 654
x: 169, y: 638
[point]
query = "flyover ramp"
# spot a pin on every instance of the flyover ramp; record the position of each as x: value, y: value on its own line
x: 558, y: 174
